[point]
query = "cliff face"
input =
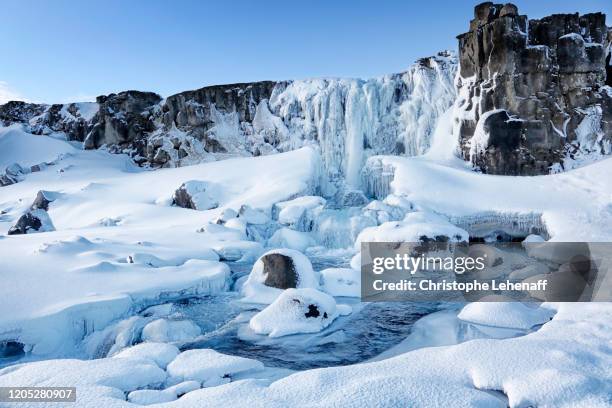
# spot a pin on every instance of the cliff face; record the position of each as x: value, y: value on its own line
x: 530, y: 97
x: 349, y: 119
x: 532, y: 93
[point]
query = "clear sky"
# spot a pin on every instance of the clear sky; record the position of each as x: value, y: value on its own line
x: 67, y: 50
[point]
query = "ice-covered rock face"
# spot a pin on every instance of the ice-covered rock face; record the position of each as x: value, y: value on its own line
x: 533, y: 94
x: 349, y: 119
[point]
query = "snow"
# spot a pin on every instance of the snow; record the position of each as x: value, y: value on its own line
x: 574, y: 205
x: 341, y: 282
x: 210, y: 367
x: 414, y: 226
x: 150, y: 397
x: 27, y: 149
x: 170, y: 258
x: 512, y: 315
x: 160, y: 353
x: 200, y: 194
x: 163, y: 330
x: 254, y: 289
x: 303, y: 310
x: 288, y: 238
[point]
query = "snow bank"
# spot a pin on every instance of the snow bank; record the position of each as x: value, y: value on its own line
x: 296, y: 311
x: 26, y: 149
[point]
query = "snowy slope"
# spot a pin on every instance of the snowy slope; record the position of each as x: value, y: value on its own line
x: 69, y: 282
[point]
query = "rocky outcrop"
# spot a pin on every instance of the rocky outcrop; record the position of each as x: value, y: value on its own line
x: 532, y: 93
x: 124, y: 120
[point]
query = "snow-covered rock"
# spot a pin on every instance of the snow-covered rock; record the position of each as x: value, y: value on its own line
x: 297, y: 212
x: 163, y: 330
x: 196, y: 195
x: 341, y: 282
x: 512, y: 315
x: 210, y: 367
x: 415, y: 227
x: 160, y: 353
x: 36, y: 220
x: 275, y: 271
x: 288, y: 238
x: 253, y: 216
x: 297, y: 311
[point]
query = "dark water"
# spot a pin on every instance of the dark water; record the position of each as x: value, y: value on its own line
x: 371, y: 329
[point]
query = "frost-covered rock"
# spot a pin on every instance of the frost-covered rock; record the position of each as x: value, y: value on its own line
x: 275, y: 271
x: 163, y: 330
x: 252, y: 215
x: 297, y: 311
x: 210, y: 367
x: 341, y: 282
x: 513, y: 315
x: 288, y: 238
x: 354, y: 198
x: 535, y: 99
x: 160, y: 353
x: 32, y: 221
x: 195, y: 195
x: 299, y: 212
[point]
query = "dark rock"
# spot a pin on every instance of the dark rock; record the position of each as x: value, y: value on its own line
x: 546, y: 73
x: 279, y: 271
x: 124, y: 118
x: 42, y: 200
x: 313, y: 311
x: 28, y: 222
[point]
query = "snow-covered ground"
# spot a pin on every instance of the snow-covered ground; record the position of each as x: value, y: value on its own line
x: 120, y: 252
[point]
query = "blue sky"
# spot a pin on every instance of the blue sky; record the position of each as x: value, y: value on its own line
x: 64, y: 50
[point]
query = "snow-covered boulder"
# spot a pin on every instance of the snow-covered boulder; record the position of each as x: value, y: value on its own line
x: 226, y: 215
x: 36, y: 220
x: 288, y: 238
x: 415, y: 227
x: 512, y: 315
x: 295, y: 213
x: 43, y: 199
x: 209, y: 367
x: 341, y: 282
x: 163, y: 330
x: 533, y: 238
x: 252, y: 215
x: 275, y: 271
x: 160, y: 353
x: 297, y: 311
x: 195, y: 195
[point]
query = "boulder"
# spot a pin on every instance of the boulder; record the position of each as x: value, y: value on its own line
x: 275, y: 271
x: 35, y: 220
x: 297, y: 311
x: 194, y: 195
x: 43, y: 199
